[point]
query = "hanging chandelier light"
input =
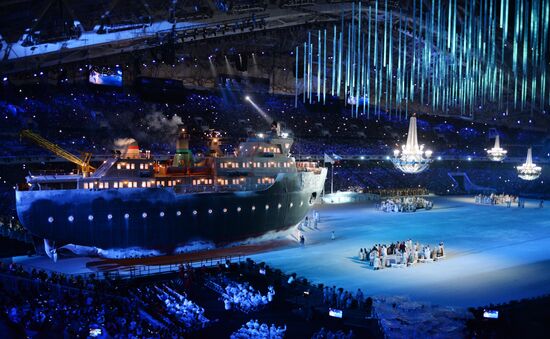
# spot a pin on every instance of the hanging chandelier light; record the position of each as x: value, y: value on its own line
x: 497, y: 153
x: 412, y: 158
x: 529, y: 170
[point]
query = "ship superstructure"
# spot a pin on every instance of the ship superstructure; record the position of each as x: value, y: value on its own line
x: 132, y: 200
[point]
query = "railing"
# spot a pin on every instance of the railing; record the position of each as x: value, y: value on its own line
x: 136, y: 271
x: 151, y: 270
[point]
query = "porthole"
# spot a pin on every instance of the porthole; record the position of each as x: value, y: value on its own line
x: 144, y: 215
x: 50, y: 220
x: 70, y: 218
x: 90, y: 217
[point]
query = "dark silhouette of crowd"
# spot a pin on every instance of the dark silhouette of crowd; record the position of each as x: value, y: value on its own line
x: 37, y: 303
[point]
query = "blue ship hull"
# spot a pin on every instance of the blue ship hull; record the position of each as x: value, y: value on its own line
x: 161, y: 218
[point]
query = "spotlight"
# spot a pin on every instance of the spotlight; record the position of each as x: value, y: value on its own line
x: 247, y: 98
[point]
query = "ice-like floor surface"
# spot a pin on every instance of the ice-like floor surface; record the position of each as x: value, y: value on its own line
x: 494, y: 254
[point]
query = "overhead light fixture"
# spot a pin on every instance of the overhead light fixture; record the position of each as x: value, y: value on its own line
x: 412, y: 158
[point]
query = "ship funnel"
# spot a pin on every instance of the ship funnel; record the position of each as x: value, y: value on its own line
x: 132, y: 151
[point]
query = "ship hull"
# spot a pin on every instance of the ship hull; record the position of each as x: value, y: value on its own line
x: 162, y: 218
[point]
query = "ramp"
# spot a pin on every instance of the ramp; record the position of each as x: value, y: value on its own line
x: 464, y: 184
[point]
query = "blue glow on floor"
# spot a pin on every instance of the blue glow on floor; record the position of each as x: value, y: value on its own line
x: 495, y: 254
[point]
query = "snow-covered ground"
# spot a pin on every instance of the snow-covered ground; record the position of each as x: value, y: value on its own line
x: 494, y: 254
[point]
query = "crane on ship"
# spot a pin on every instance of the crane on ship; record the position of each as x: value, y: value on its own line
x: 83, y: 163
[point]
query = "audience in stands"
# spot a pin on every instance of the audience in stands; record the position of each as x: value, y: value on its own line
x: 253, y: 329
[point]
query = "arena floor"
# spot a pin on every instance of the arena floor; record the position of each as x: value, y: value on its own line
x: 494, y: 254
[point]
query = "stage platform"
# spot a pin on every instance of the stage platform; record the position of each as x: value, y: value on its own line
x: 494, y: 254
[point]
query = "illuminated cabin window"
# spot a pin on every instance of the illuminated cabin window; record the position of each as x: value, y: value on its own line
x: 100, y: 185
x: 106, y: 185
x: 170, y: 183
x: 222, y: 181
x: 91, y: 185
x: 266, y: 180
x: 140, y: 166
x: 85, y: 185
x: 149, y: 184
x: 133, y: 166
x: 127, y: 166
x: 115, y: 184
x: 143, y: 184
x: 118, y: 166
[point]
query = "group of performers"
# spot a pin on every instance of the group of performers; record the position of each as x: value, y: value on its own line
x: 495, y: 199
x: 404, y: 204
x: 401, y: 254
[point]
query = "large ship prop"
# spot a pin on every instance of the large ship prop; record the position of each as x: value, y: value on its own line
x: 133, y: 202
